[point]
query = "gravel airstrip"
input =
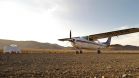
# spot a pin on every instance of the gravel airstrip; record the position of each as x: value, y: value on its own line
x: 69, y: 65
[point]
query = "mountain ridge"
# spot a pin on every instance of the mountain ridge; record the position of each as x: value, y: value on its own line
x: 40, y: 45
x: 29, y: 44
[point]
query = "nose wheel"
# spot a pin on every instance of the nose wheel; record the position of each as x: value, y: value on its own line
x: 79, y: 52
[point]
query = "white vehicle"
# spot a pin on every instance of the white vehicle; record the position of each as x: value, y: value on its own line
x: 87, y: 42
x: 11, y: 49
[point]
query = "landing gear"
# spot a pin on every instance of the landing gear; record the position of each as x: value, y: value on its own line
x: 98, y: 51
x: 79, y: 52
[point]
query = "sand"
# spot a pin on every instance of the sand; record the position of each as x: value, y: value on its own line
x: 69, y: 65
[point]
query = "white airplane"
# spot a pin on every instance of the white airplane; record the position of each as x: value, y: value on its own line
x: 91, y: 41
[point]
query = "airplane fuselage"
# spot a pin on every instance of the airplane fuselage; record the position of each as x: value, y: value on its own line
x: 86, y: 44
x: 89, y: 41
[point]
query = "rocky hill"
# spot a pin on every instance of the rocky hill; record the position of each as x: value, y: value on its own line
x: 123, y: 47
x: 39, y: 45
x: 29, y: 44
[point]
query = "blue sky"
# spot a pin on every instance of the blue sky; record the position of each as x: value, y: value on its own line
x: 107, y: 14
x: 49, y: 20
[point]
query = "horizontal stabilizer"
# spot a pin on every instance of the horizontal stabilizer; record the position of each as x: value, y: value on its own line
x: 108, y: 42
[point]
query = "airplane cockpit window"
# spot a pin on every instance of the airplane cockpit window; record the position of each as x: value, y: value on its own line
x: 85, y: 37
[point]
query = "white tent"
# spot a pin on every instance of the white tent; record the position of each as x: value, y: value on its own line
x: 11, y: 49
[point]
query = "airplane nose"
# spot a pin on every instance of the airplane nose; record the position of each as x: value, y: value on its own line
x: 73, y: 40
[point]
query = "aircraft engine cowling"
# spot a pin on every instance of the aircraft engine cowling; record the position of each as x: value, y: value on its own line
x: 73, y: 40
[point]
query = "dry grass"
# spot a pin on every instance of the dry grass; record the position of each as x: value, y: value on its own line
x: 69, y: 65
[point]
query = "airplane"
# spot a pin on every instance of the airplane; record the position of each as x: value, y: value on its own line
x: 91, y: 41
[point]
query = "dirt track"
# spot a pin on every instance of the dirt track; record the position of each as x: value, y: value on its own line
x: 67, y: 65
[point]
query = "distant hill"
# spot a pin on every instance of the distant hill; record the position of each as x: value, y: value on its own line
x: 29, y: 44
x: 116, y: 47
x: 121, y: 47
x: 39, y: 45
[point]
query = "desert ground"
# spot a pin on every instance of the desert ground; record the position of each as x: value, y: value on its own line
x: 70, y: 65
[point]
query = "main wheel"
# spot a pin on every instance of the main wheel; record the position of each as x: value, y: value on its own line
x: 81, y: 52
x: 98, y: 51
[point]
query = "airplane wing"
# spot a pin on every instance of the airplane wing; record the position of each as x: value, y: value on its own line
x: 67, y: 39
x: 64, y: 39
x: 113, y: 33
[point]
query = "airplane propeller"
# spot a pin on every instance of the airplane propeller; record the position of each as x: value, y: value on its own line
x: 71, y: 39
x: 70, y: 34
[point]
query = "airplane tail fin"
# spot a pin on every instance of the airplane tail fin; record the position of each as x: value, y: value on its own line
x: 108, y: 42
